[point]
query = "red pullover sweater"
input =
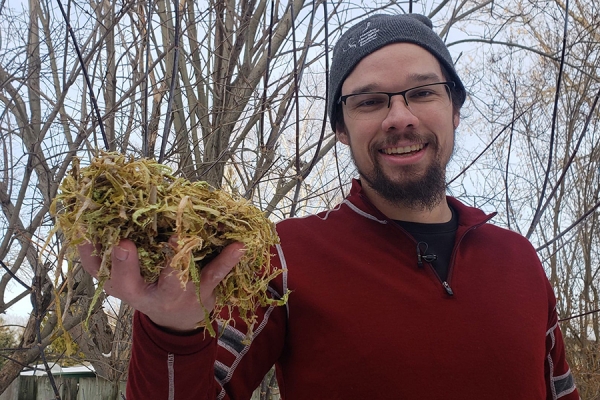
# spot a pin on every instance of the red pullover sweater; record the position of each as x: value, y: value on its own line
x: 364, y: 321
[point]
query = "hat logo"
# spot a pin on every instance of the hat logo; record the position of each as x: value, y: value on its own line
x: 366, y: 36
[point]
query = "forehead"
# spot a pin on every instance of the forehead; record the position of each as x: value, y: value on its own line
x: 394, y: 67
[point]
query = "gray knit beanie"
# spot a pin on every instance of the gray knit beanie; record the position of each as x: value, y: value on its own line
x: 375, y: 32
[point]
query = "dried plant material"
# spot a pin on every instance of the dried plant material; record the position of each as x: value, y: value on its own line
x: 117, y: 197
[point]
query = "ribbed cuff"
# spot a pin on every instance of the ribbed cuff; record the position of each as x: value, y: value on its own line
x: 171, y: 342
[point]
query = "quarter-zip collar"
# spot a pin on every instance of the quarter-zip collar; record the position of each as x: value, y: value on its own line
x: 469, y: 218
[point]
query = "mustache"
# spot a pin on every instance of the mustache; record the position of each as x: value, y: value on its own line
x: 394, y: 138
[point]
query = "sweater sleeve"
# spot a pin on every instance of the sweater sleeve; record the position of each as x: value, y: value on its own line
x: 197, y: 367
x: 559, y: 380
x: 169, y: 366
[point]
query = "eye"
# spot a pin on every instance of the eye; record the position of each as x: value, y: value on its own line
x: 368, y: 101
x: 420, y: 94
x: 429, y: 93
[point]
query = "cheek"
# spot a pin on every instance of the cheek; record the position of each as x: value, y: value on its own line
x: 361, y: 145
x: 447, y: 146
x: 354, y: 135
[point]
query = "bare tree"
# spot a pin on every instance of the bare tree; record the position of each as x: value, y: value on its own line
x: 537, y: 91
x: 233, y: 93
x: 213, y: 89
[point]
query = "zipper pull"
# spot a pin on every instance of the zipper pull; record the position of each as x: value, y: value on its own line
x: 447, y: 288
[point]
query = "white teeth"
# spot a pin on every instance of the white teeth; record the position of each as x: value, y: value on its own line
x: 403, y: 150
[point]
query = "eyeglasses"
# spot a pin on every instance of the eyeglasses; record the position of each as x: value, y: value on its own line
x: 419, y: 100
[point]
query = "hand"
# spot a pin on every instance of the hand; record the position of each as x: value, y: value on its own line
x: 165, y: 302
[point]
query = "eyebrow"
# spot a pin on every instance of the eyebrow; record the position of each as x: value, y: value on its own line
x: 423, y: 77
x: 415, y: 77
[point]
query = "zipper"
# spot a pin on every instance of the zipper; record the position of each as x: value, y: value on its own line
x: 429, y: 258
x: 445, y: 283
x: 447, y: 288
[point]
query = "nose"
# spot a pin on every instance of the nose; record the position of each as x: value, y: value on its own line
x: 399, y: 115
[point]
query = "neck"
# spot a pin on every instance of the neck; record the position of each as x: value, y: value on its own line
x: 439, y: 213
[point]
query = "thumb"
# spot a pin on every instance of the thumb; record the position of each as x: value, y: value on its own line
x: 125, y: 278
x: 215, y: 271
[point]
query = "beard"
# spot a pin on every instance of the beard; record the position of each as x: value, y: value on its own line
x: 415, y: 191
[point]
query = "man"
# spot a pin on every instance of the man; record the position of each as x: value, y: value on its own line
x: 398, y: 293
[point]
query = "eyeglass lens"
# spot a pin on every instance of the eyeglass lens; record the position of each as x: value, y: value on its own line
x: 419, y: 101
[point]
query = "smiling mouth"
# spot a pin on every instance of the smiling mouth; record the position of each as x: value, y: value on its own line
x: 403, y: 150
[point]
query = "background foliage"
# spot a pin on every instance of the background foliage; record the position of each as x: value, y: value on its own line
x: 233, y: 92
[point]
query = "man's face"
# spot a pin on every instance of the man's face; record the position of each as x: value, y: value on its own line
x: 403, y: 155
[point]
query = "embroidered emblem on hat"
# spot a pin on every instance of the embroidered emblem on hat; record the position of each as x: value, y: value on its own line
x: 368, y: 35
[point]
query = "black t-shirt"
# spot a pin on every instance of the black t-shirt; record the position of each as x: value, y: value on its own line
x: 434, y: 239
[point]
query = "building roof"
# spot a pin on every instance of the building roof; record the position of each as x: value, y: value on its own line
x: 40, y: 370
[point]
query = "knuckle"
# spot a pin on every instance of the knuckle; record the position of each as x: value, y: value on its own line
x: 213, y: 275
x: 90, y: 269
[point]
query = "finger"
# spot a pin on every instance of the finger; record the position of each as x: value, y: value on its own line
x: 90, y: 260
x: 173, y: 241
x: 169, y: 283
x: 217, y: 269
x: 125, y: 281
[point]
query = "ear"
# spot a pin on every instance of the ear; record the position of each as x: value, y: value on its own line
x: 456, y: 120
x: 341, y: 134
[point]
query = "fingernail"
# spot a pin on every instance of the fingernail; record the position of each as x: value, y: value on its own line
x: 120, y: 253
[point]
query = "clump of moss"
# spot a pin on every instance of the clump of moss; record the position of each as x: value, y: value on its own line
x: 117, y: 197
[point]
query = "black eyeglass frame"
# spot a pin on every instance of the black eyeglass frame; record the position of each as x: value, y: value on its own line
x: 450, y: 84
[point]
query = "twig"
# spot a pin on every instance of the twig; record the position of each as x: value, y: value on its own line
x: 163, y: 146
x: 86, y: 76
x: 24, y: 366
x: 579, y: 315
x: 263, y: 105
x: 573, y: 225
x: 574, y: 153
x: 216, y: 161
x: 36, y: 296
x: 15, y: 277
x: 540, y: 207
x: 486, y: 149
x: 324, y: 125
x: 145, y: 139
x: 297, y: 109
x: 510, y: 140
x: 333, y: 123
x: 301, y: 171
